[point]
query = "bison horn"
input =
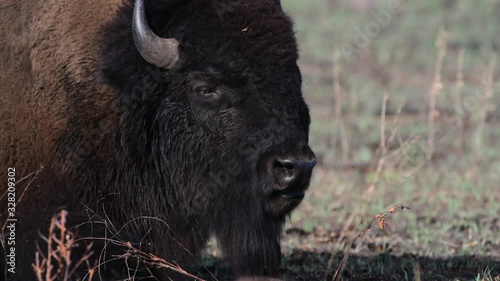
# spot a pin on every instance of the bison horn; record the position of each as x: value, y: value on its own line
x: 162, y: 52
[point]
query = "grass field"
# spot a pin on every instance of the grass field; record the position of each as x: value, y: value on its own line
x: 424, y: 56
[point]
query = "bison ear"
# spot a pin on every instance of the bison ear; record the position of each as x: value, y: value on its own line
x: 162, y: 52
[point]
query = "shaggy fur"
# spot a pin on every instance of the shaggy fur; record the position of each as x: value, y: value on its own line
x: 115, y: 139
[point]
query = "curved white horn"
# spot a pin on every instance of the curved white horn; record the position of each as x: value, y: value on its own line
x: 162, y: 52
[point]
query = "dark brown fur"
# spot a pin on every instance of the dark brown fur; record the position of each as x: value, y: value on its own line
x: 40, y: 41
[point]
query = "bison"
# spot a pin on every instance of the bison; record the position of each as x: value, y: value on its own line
x: 160, y: 124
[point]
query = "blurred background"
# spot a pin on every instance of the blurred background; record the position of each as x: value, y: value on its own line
x: 403, y: 96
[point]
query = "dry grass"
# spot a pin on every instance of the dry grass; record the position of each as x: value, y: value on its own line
x: 486, y: 102
x: 56, y: 262
x: 434, y: 90
x: 337, y: 105
x: 151, y: 260
x: 382, y: 223
x: 382, y: 151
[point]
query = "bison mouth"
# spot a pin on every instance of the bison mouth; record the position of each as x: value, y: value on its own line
x: 281, y: 203
x: 293, y: 195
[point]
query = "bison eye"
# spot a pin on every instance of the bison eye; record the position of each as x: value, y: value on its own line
x: 206, y: 92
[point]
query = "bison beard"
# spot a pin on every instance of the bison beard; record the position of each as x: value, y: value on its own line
x: 161, y: 154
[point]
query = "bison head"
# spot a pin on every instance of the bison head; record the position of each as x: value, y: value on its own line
x: 214, y: 123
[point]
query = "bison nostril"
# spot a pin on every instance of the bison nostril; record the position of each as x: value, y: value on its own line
x: 285, y: 169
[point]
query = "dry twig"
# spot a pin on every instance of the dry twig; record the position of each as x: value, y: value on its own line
x: 371, y: 188
x: 486, y: 103
x: 57, y: 264
x: 434, y: 90
x: 382, y: 223
x: 459, y: 83
x: 337, y: 100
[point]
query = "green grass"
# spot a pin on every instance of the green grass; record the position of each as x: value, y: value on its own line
x: 455, y: 197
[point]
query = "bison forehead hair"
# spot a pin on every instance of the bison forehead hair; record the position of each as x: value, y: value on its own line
x: 246, y: 35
